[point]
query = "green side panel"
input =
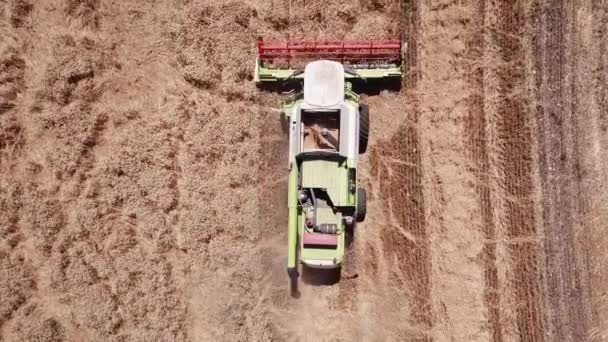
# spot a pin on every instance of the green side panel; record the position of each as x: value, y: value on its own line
x: 350, y: 95
x: 327, y: 215
x: 325, y: 254
x: 287, y: 105
x: 292, y: 233
x: 273, y: 75
x: 329, y: 175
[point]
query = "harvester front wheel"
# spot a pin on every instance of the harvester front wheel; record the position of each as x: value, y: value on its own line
x: 363, y: 127
x: 361, y: 204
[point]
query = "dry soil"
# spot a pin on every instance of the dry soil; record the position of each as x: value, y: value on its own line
x: 143, y: 176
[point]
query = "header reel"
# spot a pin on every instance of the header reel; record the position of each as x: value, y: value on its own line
x: 284, y: 61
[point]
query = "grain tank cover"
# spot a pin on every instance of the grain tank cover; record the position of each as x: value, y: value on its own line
x: 324, y: 84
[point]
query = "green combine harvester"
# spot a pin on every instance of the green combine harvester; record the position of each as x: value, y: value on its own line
x: 328, y: 128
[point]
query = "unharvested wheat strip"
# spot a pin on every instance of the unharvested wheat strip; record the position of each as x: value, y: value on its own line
x: 592, y: 241
x: 452, y: 208
x: 586, y: 132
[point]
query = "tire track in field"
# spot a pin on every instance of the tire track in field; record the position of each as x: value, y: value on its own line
x: 555, y: 61
x: 593, y: 126
x: 600, y: 35
x: 589, y: 30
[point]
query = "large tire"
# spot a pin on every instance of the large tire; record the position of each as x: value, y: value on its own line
x: 363, y: 127
x: 361, y: 204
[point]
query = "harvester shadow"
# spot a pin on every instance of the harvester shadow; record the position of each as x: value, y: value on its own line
x: 375, y: 87
x: 320, y: 277
x: 359, y: 86
x: 293, y: 288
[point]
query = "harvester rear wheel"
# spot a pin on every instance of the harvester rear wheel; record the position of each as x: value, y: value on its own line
x: 363, y: 127
x: 361, y: 204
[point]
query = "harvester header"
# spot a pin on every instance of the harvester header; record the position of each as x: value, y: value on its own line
x: 370, y: 59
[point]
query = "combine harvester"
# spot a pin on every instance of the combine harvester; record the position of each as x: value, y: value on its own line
x: 328, y: 128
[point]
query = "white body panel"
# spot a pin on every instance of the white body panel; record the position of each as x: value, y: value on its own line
x: 324, y: 264
x: 323, y: 84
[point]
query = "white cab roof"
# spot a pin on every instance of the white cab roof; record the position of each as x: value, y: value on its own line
x: 323, y: 84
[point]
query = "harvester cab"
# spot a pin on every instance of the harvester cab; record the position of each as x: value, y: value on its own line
x: 328, y: 128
